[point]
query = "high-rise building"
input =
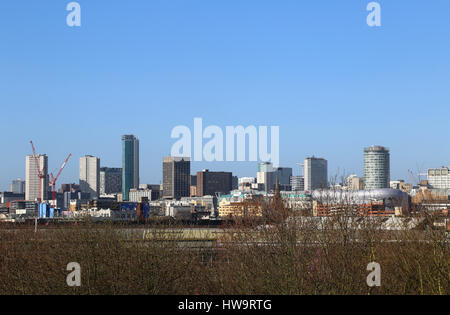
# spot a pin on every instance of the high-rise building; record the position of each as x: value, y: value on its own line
x: 18, y: 186
x: 90, y: 175
x: 265, y: 167
x: 284, y: 175
x: 266, y: 176
x: 315, y: 172
x: 110, y: 180
x: 32, y: 178
x: 176, y: 177
x: 376, y: 167
x: 210, y: 183
x: 234, y: 182
x: 130, y: 164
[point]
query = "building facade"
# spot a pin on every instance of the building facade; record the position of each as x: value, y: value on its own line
x: 439, y: 178
x: 376, y: 167
x: 9, y: 196
x: 176, y: 177
x: 18, y: 186
x: 297, y: 183
x: 355, y: 183
x: 211, y: 183
x: 32, y: 179
x: 130, y: 164
x: 229, y: 209
x: 139, y: 195
x: 315, y: 172
x: 266, y: 176
x: 90, y: 175
x: 284, y: 175
x: 110, y: 180
x: 401, y: 185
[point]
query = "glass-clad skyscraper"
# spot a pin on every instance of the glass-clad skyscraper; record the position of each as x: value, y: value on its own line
x: 130, y: 165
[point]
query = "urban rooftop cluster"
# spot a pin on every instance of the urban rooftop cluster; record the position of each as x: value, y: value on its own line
x: 106, y: 192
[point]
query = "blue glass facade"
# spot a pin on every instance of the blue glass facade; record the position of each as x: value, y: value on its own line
x: 130, y: 164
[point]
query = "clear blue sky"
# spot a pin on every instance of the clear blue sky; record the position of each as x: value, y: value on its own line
x: 332, y: 84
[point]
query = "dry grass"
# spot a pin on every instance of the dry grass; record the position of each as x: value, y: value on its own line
x: 285, y: 257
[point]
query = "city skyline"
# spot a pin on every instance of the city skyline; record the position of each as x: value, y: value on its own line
x: 252, y: 173
x: 332, y: 84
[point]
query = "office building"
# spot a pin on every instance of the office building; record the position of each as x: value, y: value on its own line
x: 297, y: 183
x: 154, y: 195
x: 193, y: 185
x: 90, y: 175
x: 32, y: 181
x: 18, y: 186
x: 401, y: 185
x: 140, y: 195
x: 110, y: 180
x: 246, y: 183
x: 212, y: 183
x: 9, y: 196
x: 266, y: 176
x: 235, y: 182
x: 176, y: 177
x: 376, y: 167
x: 284, y: 175
x: 130, y: 164
x: 69, y: 188
x: 23, y: 208
x: 355, y: 183
x: 74, y: 200
x: 315, y: 172
x: 439, y: 178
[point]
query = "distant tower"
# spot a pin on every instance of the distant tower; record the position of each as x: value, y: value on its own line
x: 277, y: 203
x: 277, y: 186
x: 18, y: 186
x: 212, y: 183
x: 90, y: 175
x: 376, y: 167
x: 266, y: 176
x: 130, y: 165
x: 110, y: 180
x: 315, y: 173
x: 32, y: 178
x: 176, y: 177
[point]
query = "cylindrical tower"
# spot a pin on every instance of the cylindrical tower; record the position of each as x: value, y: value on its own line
x: 376, y: 167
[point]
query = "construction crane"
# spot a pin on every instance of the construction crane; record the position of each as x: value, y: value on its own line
x: 54, y: 179
x: 41, y: 176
